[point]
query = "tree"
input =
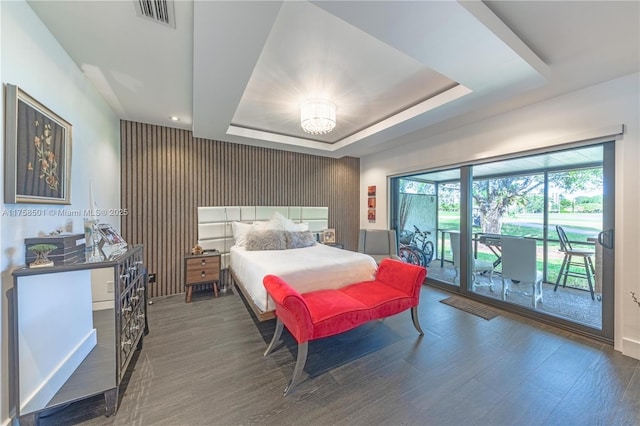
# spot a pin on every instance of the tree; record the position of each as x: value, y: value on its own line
x: 415, y: 187
x: 493, y: 197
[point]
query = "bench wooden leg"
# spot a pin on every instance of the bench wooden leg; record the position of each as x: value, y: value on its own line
x: 276, y: 336
x: 416, y: 322
x: 300, y: 361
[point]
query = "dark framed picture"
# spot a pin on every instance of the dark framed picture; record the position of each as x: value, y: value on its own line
x: 37, y: 152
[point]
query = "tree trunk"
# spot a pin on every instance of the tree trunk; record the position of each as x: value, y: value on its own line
x: 492, y: 221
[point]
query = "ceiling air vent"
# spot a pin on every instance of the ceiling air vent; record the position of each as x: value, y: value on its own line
x: 160, y: 11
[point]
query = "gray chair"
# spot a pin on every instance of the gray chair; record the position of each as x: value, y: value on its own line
x: 519, y: 265
x: 378, y: 243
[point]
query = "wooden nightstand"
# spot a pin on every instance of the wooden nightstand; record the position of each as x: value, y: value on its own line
x: 201, y: 269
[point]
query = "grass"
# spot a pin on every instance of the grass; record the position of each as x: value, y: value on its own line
x: 578, y: 228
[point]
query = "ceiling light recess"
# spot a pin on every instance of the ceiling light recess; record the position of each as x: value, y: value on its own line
x: 317, y: 116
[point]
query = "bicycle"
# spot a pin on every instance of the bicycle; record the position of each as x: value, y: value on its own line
x: 416, y: 248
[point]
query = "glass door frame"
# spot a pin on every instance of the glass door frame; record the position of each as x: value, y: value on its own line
x: 605, y: 334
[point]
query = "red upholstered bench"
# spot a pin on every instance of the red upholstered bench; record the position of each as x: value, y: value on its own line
x: 323, y: 313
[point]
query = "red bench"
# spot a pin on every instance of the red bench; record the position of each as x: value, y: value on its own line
x: 324, y: 313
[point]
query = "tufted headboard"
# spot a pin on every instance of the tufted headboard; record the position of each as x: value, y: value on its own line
x: 214, y: 223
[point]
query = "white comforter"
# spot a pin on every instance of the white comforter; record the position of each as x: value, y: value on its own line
x: 305, y: 269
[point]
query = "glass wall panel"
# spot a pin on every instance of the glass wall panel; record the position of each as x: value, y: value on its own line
x: 548, y: 208
x: 573, y: 268
x: 529, y: 197
x: 503, y: 205
x: 427, y: 212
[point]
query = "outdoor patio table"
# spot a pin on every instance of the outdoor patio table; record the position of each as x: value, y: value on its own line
x: 490, y: 240
x: 493, y: 242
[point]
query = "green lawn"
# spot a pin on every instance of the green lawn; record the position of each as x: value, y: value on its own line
x: 578, y: 226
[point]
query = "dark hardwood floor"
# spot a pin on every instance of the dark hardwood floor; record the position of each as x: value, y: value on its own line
x: 202, y: 364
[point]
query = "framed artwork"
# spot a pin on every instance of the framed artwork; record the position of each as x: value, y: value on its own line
x: 371, y: 202
x: 329, y: 236
x: 37, y: 152
x: 371, y: 191
x: 371, y: 215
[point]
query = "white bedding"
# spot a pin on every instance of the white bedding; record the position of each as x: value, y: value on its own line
x: 305, y: 269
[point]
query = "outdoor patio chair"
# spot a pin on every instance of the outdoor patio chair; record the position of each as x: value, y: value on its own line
x: 583, y: 268
x: 519, y: 265
x: 479, y: 266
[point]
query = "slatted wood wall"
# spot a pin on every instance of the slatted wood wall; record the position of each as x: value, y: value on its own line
x: 166, y: 174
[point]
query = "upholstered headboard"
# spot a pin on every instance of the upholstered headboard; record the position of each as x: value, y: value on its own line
x: 214, y: 223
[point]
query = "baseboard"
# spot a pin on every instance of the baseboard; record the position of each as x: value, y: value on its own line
x: 631, y: 348
x: 56, y: 379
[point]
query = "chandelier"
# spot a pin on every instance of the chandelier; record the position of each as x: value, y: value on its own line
x: 317, y: 116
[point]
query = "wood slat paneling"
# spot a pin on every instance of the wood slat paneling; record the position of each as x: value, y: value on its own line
x: 167, y: 174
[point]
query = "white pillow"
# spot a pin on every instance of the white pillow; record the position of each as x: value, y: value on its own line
x: 240, y: 231
x: 262, y: 225
x: 280, y: 222
x: 303, y: 226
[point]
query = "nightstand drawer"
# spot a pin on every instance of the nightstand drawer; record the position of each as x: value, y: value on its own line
x: 210, y: 263
x: 202, y: 275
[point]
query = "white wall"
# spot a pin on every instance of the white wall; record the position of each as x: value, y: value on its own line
x: 544, y: 124
x: 102, y: 291
x: 32, y: 59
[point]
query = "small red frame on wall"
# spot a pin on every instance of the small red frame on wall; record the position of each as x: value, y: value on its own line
x: 371, y: 203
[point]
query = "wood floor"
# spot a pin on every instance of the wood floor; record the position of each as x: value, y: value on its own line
x: 202, y: 364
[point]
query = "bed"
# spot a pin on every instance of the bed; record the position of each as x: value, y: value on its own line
x: 306, y: 269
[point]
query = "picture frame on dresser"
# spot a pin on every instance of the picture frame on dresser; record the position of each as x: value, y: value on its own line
x: 37, y: 151
x: 111, y: 242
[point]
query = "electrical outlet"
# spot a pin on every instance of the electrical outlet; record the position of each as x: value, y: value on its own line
x: 152, y: 278
x: 109, y: 286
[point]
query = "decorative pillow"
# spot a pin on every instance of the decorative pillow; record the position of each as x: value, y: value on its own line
x: 240, y: 232
x: 303, y: 226
x: 300, y: 239
x: 268, y: 239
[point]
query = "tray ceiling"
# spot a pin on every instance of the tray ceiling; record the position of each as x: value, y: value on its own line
x: 237, y: 71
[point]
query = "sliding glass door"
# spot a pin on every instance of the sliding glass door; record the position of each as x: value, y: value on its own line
x: 560, y: 202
